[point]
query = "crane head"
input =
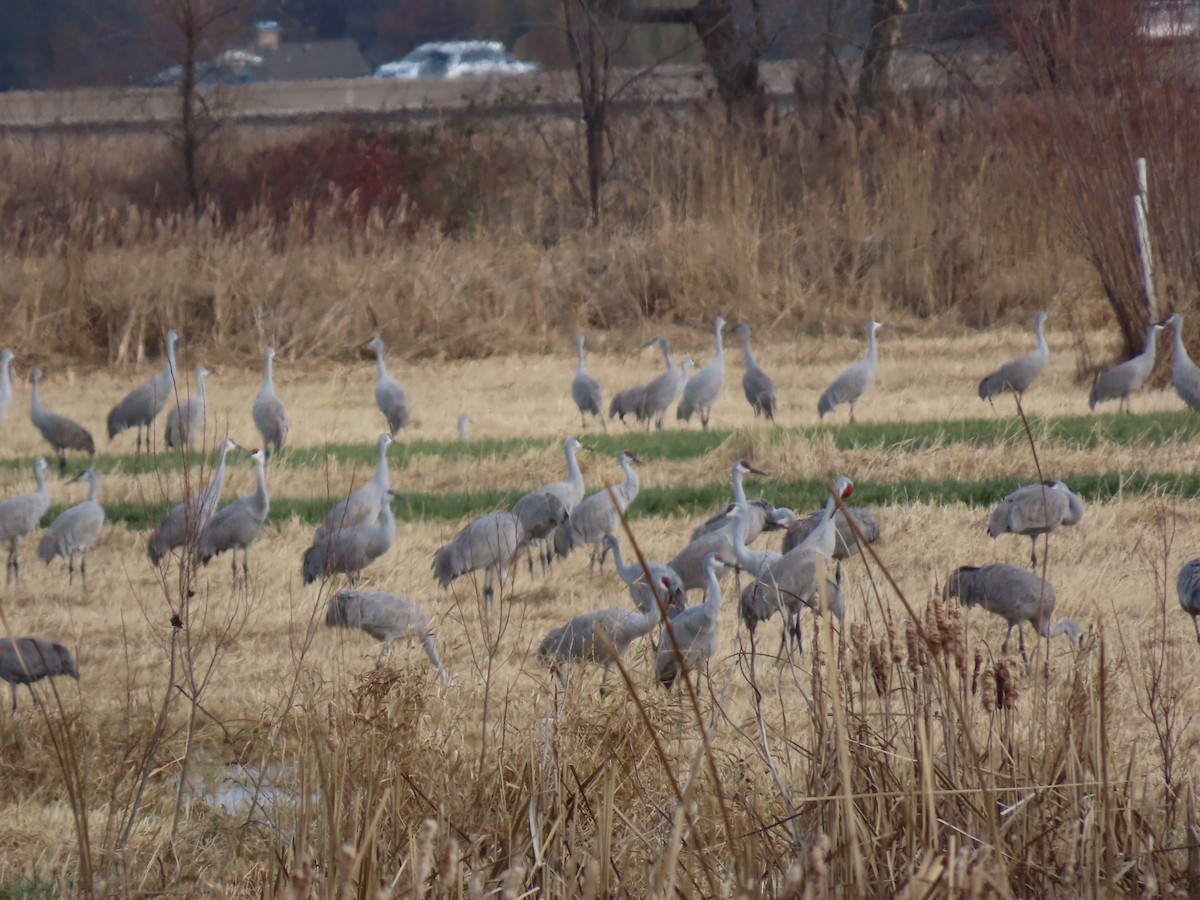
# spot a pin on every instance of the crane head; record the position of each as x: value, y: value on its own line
x: 746, y: 468
x: 718, y: 323
x: 35, y: 376
x: 632, y: 457
x: 843, y: 487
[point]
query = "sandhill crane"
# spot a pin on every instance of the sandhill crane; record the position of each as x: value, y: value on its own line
x: 688, y: 563
x: 385, y: 617
x: 1018, y: 374
x: 756, y: 384
x: 350, y: 550
x: 691, y: 638
x: 6, y: 393
x: 463, y: 421
x: 187, y: 420
x: 664, y: 581
x: 1034, y: 510
x: 659, y: 394
x: 852, y: 383
x: 596, y: 515
x: 60, y: 432
x: 362, y: 506
x: 702, y: 390
x: 21, y: 514
x: 627, y: 403
x: 585, y: 390
x: 846, y: 544
x: 389, y: 396
x: 237, y: 524
x: 29, y: 659
x: 270, y: 415
x: 1016, y: 595
x: 756, y: 517
x: 1185, y: 376
x: 141, y: 405
x: 1187, y: 588
x: 1124, y: 378
x: 490, y: 543
x: 75, y: 530
x: 539, y: 517
x: 185, y: 521
x: 602, y: 635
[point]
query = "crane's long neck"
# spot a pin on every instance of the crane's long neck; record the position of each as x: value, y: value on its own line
x: 382, y: 475
x: 93, y: 483
x: 1181, y: 354
x: 662, y: 345
x: 40, y: 477
x: 169, y: 369
x: 631, y: 479
x: 745, y: 558
x: 200, y: 387
x: 871, y: 355
x: 35, y: 403
x: 6, y: 375
x: 379, y: 361
x: 739, y: 492
x: 1147, y: 357
x: 269, y: 375
x: 720, y: 343
x: 747, y: 353
x: 712, y: 594
x: 629, y: 574
x: 824, y: 537
x: 579, y: 369
x: 388, y: 526
x: 1042, y: 347
x: 574, y: 475
x: 260, y: 495
x: 219, y: 478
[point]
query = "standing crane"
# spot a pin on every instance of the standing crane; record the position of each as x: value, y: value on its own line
x: 756, y: 384
x: 75, y: 530
x: 270, y: 415
x: 389, y: 396
x: 597, y: 515
x: 756, y: 517
x: 659, y: 394
x: 385, y: 617
x: 6, y: 393
x: 490, y: 543
x: 60, y: 432
x: 1125, y: 378
x: 602, y: 635
x: 1018, y: 374
x: 237, y: 524
x: 852, y: 383
x: 1185, y: 376
x: 1034, y: 510
x: 540, y: 517
x: 25, y: 660
x: 142, y: 405
x: 185, y: 521
x: 692, y: 639
x: 350, y: 550
x: 186, y: 422
x: 21, y: 514
x: 585, y: 390
x: 1016, y: 595
x: 702, y: 390
x: 664, y: 585
x: 362, y: 506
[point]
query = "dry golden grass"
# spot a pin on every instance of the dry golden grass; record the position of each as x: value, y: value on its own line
x: 540, y: 787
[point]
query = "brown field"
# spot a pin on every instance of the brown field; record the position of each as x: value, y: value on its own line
x: 898, y: 777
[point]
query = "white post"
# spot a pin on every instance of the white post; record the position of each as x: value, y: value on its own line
x: 1141, y: 224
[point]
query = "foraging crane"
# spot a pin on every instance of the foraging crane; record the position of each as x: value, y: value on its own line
x: 60, y: 432
x: 350, y: 550
x: 1018, y: 374
x: 1185, y: 376
x: 585, y: 390
x: 270, y: 415
x: 1016, y: 595
x: 539, y: 517
x: 660, y: 393
x: 1124, y: 378
x: 597, y: 515
x: 627, y: 403
x: 237, y: 524
x: 29, y: 659
x: 691, y: 639
x: 75, y: 530
x: 389, y: 396
x: 702, y: 390
x: 21, y: 514
x: 852, y: 383
x: 185, y: 522
x: 490, y: 543
x: 362, y: 506
x: 6, y: 393
x: 186, y: 422
x: 141, y: 405
x: 1034, y: 510
x: 385, y: 617
x: 757, y: 517
x: 756, y: 384
x: 664, y: 586
x: 846, y: 544
x: 1187, y: 588
x: 602, y: 635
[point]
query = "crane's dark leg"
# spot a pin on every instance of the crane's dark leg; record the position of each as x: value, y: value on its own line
x: 13, y: 573
x: 1007, y: 635
x: 245, y: 565
x: 83, y: 570
x: 851, y: 413
x: 62, y: 463
x: 1021, y: 643
x: 235, y: 568
x: 71, y: 569
x: 1033, y: 552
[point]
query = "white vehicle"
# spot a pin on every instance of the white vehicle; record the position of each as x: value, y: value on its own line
x: 456, y: 59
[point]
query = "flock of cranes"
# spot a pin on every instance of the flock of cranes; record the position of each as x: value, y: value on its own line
x: 555, y: 519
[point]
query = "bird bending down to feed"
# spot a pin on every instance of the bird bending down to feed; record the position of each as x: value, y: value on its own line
x: 185, y: 521
x: 585, y: 390
x: 664, y: 586
x: 237, y: 524
x: 1187, y: 588
x: 852, y: 383
x: 60, y: 432
x: 1016, y: 595
x: 691, y: 638
x: 270, y: 415
x: 489, y: 543
x: 361, y: 507
x: 21, y: 514
x: 756, y: 384
x: 142, y: 405
x: 385, y: 617
x: 6, y: 358
x: 599, y: 514
x: 1034, y: 510
x: 627, y: 403
x: 702, y: 390
x: 186, y: 422
x: 757, y: 517
x: 602, y: 635
x: 1018, y: 374
x: 1124, y: 378
x: 348, y: 551
x: 75, y: 530
x: 1185, y: 376
x: 25, y: 660
x: 389, y: 396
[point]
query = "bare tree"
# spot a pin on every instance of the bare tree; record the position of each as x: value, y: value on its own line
x: 588, y: 39
x: 882, y: 38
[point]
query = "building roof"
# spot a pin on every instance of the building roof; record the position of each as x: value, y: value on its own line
x: 307, y: 60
